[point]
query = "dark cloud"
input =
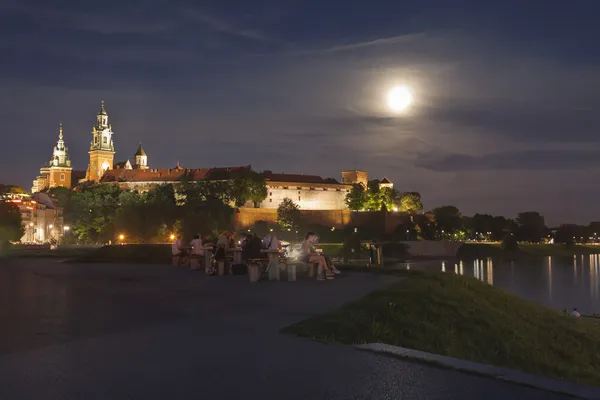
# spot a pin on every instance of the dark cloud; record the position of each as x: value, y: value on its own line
x: 547, y: 160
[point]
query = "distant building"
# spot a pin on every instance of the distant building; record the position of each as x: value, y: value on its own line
x: 310, y: 192
x: 39, y: 216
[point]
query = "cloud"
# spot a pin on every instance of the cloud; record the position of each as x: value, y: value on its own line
x: 528, y: 160
x: 221, y: 25
x: 394, y: 40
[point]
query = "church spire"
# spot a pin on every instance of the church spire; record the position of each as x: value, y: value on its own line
x: 60, y: 155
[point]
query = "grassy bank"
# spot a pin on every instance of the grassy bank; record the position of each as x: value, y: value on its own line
x: 131, y: 253
x: 464, y: 318
x: 484, y: 250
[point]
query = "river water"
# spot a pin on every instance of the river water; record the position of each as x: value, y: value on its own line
x: 557, y: 282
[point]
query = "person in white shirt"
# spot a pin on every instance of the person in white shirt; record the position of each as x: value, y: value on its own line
x: 270, y: 242
x: 176, y: 247
x: 196, y: 244
x: 309, y: 256
x: 575, y: 313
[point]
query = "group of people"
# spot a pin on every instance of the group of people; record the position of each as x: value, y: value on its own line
x: 252, y: 246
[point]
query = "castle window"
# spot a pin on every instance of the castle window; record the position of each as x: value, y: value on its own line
x: 338, y: 190
x: 104, y: 140
x: 285, y: 187
x: 271, y: 194
x: 298, y: 198
x: 62, y: 177
x: 95, y: 139
x: 312, y: 188
x: 270, y: 200
x: 325, y: 189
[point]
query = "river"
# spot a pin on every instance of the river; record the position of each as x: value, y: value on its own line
x: 557, y: 282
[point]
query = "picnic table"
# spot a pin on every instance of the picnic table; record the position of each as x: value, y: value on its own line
x: 237, y: 254
x: 274, y: 261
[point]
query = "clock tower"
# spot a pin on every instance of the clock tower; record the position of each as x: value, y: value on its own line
x: 102, y: 148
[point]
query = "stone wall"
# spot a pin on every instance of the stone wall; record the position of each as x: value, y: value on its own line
x: 246, y: 217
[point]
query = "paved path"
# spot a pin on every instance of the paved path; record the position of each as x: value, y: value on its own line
x: 151, y: 332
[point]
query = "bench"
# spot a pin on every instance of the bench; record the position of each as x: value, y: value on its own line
x: 180, y: 260
x: 255, y: 266
x: 290, y: 270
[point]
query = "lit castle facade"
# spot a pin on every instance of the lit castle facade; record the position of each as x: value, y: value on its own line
x: 309, y: 192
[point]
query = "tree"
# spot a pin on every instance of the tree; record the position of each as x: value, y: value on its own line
x: 288, y: 214
x: 410, y: 202
x: 448, y: 218
x: 530, y: 226
x: 250, y: 187
x: 389, y: 198
x: 374, y: 197
x: 92, y: 212
x: 356, y: 198
x: 7, y: 190
x: 11, y: 224
x: 509, y: 243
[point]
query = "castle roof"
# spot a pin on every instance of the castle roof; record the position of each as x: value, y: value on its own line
x: 171, y: 174
x: 140, y: 151
x: 300, y: 178
x: 385, y: 180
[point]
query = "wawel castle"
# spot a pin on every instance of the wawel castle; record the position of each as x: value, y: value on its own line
x: 310, y: 192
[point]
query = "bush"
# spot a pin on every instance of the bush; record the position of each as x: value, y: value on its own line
x: 510, y: 243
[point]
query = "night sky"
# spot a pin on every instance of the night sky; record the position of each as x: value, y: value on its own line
x: 505, y: 117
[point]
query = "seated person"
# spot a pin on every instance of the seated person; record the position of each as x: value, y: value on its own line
x: 270, y: 242
x: 310, y: 256
x: 253, y: 248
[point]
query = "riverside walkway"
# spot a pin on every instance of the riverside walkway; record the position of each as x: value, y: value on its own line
x: 100, y: 331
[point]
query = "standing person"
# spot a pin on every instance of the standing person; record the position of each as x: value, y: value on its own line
x: 196, y: 244
x: 176, y: 246
x: 309, y: 256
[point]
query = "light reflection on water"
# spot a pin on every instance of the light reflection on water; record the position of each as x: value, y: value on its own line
x: 556, y: 282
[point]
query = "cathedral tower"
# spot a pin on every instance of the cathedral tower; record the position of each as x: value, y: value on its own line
x: 102, y: 149
x: 141, y: 158
x: 58, y: 170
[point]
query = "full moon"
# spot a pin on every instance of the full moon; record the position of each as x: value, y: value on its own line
x: 399, y: 98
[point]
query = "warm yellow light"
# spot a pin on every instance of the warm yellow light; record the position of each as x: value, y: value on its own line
x: 399, y: 98
x: 66, y: 228
x: 31, y: 224
x: 50, y: 226
x: 121, y: 236
x: 172, y: 237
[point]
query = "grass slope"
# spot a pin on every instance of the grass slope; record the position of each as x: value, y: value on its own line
x: 130, y: 253
x: 464, y: 318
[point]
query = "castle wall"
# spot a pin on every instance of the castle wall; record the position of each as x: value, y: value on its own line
x: 246, y: 217
x: 306, y: 196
